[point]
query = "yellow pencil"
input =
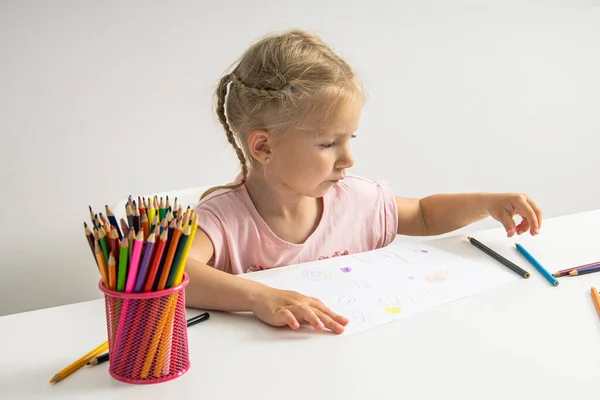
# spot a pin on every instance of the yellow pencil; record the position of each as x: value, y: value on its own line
x: 68, y: 370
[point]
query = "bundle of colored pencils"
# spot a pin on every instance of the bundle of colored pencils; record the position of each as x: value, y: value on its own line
x: 148, y: 251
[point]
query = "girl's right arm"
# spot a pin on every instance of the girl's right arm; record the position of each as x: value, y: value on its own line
x: 212, y: 289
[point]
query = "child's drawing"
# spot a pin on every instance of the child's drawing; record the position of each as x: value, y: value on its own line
x: 346, y: 269
x: 393, y: 256
x: 315, y: 275
x: 346, y: 299
x: 419, y: 251
x: 362, y: 284
x: 438, y: 276
x: 363, y: 260
x: 354, y: 315
x: 391, y: 304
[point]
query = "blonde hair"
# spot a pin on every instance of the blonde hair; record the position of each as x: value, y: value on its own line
x: 285, y: 81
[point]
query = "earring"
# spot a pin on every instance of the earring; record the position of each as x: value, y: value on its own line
x: 267, y: 160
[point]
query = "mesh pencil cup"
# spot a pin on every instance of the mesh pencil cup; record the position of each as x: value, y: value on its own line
x: 147, y: 334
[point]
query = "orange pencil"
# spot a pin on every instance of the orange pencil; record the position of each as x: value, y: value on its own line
x: 101, y: 263
x: 145, y: 227
x: 169, y: 258
x: 596, y: 298
x: 112, y: 272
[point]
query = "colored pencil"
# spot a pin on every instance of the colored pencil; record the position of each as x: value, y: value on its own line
x: 136, y: 218
x: 156, y: 259
x: 164, y: 276
x: 68, y: 370
x: 90, y: 238
x: 565, y: 272
x: 101, y: 263
x: 144, y: 264
x: 138, y: 243
x: 537, y: 265
x: 92, y: 217
x: 180, y: 266
x: 583, y: 271
x: 124, y: 227
x: 507, y: 263
x: 113, y: 220
x: 103, y: 243
x: 112, y: 272
x: 131, y: 240
x: 122, y: 272
x: 596, y: 298
x: 129, y: 215
x: 151, y: 211
x: 145, y: 227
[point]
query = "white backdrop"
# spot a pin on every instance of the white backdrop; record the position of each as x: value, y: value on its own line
x: 99, y: 100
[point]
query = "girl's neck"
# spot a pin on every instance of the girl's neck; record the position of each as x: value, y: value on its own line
x: 274, y: 199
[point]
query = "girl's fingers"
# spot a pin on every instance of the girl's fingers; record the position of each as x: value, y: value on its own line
x: 307, y: 313
x: 537, y: 210
x: 286, y: 317
x: 329, y: 322
x: 527, y: 212
x: 507, y: 220
x: 340, y: 319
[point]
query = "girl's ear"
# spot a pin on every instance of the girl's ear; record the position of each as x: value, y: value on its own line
x: 260, y: 144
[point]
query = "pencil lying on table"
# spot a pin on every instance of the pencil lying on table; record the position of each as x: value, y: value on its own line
x: 565, y: 272
x: 583, y: 271
x: 507, y: 263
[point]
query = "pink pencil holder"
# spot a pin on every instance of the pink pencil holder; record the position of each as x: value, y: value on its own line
x: 147, y: 334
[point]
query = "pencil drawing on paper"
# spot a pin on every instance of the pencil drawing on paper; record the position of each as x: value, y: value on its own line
x: 391, y: 304
x: 438, y: 276
x: 354, y: 315
x: 362, y: 284
x: 315, y: 275
x: 346, y: 299
x: 393, y: 256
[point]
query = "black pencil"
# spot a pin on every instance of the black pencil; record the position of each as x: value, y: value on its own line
x: 499, y: 258
x: 192, y: 321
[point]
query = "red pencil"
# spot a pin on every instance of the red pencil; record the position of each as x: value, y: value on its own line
x: 156, y: 257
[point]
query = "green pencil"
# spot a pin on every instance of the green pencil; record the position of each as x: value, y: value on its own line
x: 103, y: 243
x: 122, y: 274
x: 185, y: 235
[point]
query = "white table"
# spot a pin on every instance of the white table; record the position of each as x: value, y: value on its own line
x: 526, y: 338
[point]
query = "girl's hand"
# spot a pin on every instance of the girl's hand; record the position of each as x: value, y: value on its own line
x: 284, y: 307
x: 504, y: 206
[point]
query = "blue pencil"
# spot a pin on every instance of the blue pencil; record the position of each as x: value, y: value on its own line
x: 537, y: 265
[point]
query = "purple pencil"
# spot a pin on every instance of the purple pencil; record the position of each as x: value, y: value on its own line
x: 144, y: 263
x: 584, y: 271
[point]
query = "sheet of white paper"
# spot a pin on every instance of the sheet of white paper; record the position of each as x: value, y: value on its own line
x: 384, y: 285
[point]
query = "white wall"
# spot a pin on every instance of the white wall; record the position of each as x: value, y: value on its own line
x: 102, y: 99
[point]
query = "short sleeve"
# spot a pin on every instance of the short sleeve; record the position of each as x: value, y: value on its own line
x: 209, y: 223
x: 388, y: 213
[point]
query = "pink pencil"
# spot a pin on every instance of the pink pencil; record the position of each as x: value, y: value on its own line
x: 138, y: 243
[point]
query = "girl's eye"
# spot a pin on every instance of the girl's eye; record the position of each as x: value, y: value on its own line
x: 328, y: 145
x: 334, y: 143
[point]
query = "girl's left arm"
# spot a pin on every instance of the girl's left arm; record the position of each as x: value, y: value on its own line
x: 442, y: 213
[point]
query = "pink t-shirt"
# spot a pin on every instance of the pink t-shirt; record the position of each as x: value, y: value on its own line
x: 358, y: 215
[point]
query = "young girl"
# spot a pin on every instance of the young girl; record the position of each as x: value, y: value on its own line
x: 290, y: 108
